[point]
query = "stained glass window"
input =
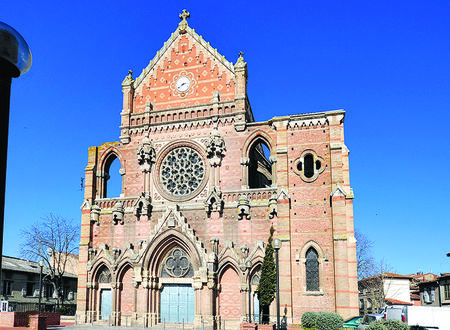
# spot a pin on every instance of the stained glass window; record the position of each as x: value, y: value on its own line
x: 312, y: 270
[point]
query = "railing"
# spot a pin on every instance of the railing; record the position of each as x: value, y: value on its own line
x: 109, y: 203
x: 254, y: 195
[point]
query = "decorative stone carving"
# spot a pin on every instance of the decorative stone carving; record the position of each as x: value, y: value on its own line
x: 245, y: 161
x: 240, y: 63
x: 243, y: 207
x: 95, y: 214
x: 214, y: 202
x: 183, y: 24
x: 215, y: 245
x: 244, y: 250
x: 92, y: 252
x: 182, y: 171
x: 116, y: 253
x: 177, y: 264
x: 118, y: 213
x: 143, y: 205
x: 105, y: 276
x: 146, y: 155
x: 211, y: 281
x: 273, y: 200
x: 215, y: 148
x: 128, y: 81
x: 212, y: 262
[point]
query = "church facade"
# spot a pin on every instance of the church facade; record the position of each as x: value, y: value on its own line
x: 202, y: 183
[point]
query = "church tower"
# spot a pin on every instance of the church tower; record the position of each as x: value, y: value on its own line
x: 202, y: 183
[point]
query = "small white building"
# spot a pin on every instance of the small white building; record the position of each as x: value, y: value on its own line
x: 383, y: 289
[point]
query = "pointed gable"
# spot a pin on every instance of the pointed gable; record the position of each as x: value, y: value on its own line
x: 185, y: 54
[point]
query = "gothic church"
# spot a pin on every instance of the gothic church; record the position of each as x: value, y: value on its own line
x: 202, y: 183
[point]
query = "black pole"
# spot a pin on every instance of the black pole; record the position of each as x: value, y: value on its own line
x: 249, y: 298
x: 278, y: 288
x: 40, y: 288
x: 7, y: 72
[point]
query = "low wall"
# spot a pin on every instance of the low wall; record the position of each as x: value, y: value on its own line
x: 22, y: 319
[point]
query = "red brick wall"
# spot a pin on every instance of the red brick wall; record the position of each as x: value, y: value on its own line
x: 21, y: 319
x: 127, y: 293
x: 230, y: 296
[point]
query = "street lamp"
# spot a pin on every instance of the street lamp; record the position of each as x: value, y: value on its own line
x: 248, y: 265
x: 41, y: 264
x: 15, y: 59
x: 276, y: 247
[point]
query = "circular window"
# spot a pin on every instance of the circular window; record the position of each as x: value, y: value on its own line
x: 182, y: 172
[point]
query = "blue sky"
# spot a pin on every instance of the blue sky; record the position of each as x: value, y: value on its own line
x: 385, y: 62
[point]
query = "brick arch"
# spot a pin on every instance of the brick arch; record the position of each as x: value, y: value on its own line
x: 255, y: 265
x: 313, y: 244
x: 121, y: 268
x: 250, y: 169
x: 230, y: 300
x: 98, y: 267
x: 226, y: 262
x: 254, y: 138
x: 106, y: 159
x: 162, y: 244
x: 109, y: 155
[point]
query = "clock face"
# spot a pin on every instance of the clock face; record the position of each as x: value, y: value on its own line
x: 183, y: 84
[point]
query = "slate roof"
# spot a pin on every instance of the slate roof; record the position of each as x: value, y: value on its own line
x: 26, y: 266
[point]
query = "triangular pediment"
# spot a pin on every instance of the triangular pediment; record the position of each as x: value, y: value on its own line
x: 185, y: 53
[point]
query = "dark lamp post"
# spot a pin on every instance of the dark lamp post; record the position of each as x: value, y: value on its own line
x: 276, y: 247
x: 41, y: 264
x: 15, y: 59
x: 248, y: 265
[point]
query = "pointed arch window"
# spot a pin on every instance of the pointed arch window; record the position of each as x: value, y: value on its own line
x: 312, y: 270
x: 260, y: 166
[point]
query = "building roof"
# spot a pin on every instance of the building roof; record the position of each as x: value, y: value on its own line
x: 397, y: 302
x: 26, y: 266
x: 388, y: 275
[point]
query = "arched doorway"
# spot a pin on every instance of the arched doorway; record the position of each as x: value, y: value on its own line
x: 177, y: 299
x: 103, y: 279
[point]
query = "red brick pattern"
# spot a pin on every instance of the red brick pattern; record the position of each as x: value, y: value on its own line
x: 230, y: 297
x: 127, y: 303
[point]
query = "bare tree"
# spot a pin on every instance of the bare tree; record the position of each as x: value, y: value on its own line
x: 53, y: 240
x: 364, y: 258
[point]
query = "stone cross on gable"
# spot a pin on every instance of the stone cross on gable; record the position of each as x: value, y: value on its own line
x: 183, y: 24
x: 185, y: 14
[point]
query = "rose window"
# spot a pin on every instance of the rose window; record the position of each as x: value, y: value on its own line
x: 182, y: 171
